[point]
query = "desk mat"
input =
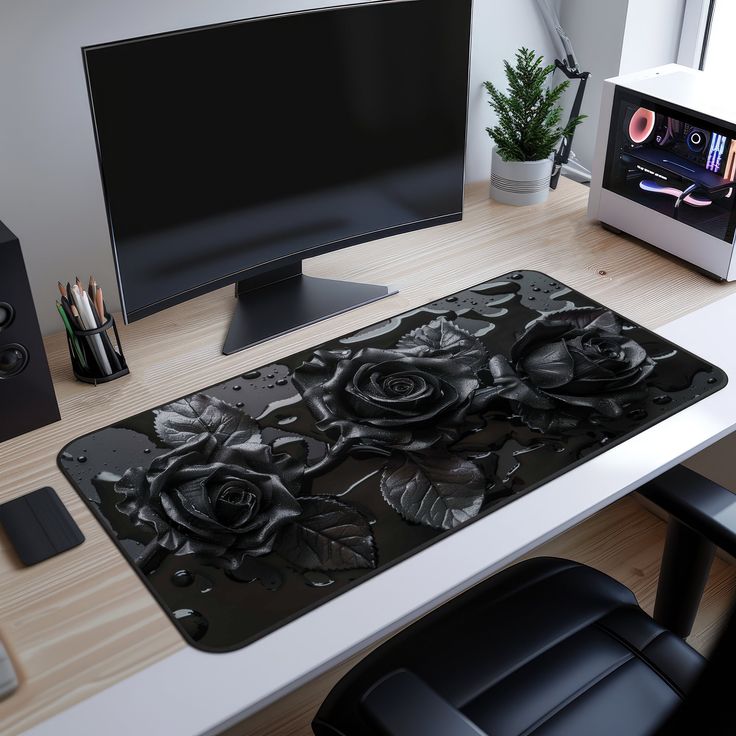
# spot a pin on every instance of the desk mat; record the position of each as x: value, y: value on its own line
x: 253, y: 501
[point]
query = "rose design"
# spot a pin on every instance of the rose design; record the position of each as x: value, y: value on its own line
x: 387, y: 398
x: 571, y: 361
x: 227, y: 501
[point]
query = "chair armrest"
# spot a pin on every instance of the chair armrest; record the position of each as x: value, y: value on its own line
x: 401, y: 704
x: 702, y: 517
x: 697, y: 502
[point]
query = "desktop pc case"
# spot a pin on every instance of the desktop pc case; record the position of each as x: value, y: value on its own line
x: 665, y: 164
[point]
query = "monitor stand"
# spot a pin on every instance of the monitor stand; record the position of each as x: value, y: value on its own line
x: 284, y: 299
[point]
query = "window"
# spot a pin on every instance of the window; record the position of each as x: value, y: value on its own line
x: 707, y: 31
x: 695, y: 22
x: 718, y: 53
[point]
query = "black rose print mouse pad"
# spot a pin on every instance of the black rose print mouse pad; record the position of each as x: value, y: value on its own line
x: 255, y: 500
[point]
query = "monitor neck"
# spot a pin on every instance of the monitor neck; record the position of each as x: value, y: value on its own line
x: 272, y: 276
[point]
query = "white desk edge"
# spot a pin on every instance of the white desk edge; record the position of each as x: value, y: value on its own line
x: 192, y: 692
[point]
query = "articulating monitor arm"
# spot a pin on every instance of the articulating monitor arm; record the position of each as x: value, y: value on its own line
x: 562, y: 155
x: 570, y: 68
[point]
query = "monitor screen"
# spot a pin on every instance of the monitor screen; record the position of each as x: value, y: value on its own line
x: 256, y: 143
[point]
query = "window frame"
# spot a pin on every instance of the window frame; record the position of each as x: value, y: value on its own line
x: 694, y: 35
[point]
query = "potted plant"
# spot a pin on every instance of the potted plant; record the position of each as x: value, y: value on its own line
x: 527, y: 130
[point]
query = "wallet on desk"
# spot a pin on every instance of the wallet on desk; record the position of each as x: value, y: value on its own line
x: 39, y: 526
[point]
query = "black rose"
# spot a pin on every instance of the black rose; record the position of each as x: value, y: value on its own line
x: 576, y: 359
x: 202, y: 497
x: 387, y: 398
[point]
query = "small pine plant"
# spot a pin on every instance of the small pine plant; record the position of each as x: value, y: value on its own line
x: 528, y: 116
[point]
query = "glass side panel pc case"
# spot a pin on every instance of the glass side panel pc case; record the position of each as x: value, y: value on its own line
x: 665, y: 164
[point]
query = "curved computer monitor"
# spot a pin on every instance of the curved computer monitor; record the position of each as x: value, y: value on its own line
x: 231, y: 152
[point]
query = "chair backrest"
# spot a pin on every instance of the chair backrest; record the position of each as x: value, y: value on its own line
x: 402, y: 704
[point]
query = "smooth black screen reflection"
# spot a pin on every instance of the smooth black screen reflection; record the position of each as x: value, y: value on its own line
x: 231, y: 146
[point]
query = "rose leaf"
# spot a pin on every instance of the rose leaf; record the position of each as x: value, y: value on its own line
x: 511, y: 387
x: 329, y: 535
x: 180, y: 421
x: 583, y: 318
x: 439, y: 490
x: 133, y: 486
x: 549, y: 365
x: 442, y: 336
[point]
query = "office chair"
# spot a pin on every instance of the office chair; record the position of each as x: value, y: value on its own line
x: 548, y: 647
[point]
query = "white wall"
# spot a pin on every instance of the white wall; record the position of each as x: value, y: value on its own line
x: 596, y: 29
x: 500, y: 27
x: 50, y: 193
x: 652, y: 35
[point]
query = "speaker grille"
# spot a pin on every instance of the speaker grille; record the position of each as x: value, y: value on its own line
x: 13, y: 360
x: 7, y: 313
x: 27, y: 399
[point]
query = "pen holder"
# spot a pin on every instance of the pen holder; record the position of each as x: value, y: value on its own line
x: 86, y: 346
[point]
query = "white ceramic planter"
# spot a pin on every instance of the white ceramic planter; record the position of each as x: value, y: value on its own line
x: 519, y: 182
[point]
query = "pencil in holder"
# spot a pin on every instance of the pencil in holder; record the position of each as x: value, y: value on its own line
x: 95, y: 357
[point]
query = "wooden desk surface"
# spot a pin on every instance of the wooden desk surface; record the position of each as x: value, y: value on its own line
x: 80, y: 622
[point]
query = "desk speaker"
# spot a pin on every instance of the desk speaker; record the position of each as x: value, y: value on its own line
x: 27, y: 399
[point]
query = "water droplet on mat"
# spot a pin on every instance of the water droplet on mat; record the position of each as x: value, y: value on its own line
x: 182, y: 578
x: 283, y: 421
x: 193, y: 622
x: 637, y: 414
x: 317, y: 579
